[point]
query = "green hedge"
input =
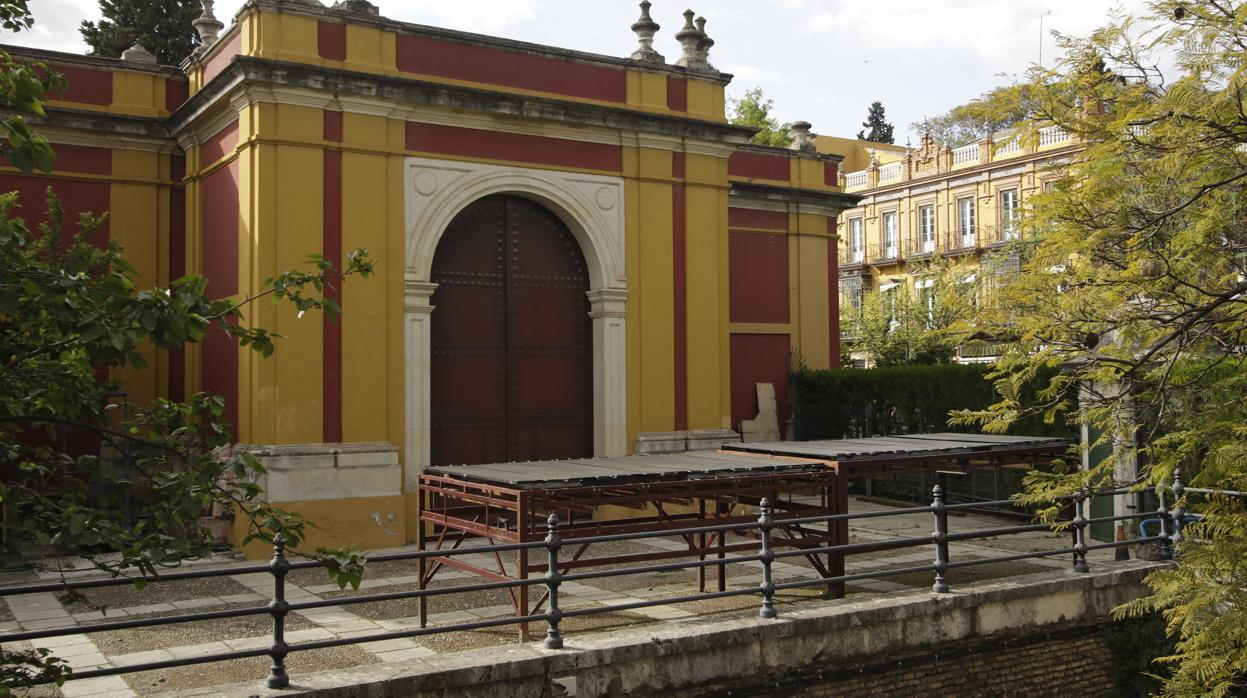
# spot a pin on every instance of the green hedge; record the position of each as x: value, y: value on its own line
x: 854, y: 403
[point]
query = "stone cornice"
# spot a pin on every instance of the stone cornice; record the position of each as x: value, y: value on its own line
x: 105, y: 123
x: 330, y: 13
x: 96, y: 62
x: 829, y: 202
x: 402, y: 91
x: 791, y: 152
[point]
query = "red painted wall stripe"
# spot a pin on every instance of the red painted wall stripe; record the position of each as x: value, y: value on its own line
x: 83, y: 159
x: 223, y: 55
x: 76, y: 196
x: 85, y: 86
x: 177, y: 167
x: 219, y: 247
x: 177, y: 269
x: 759, y: 166
x: 830, y: 174
x: 757, y: 277
x: 680, y: 302
x: 218, y: 145
x: 451, y: 140
x: 331, y: 126
x: 754, y: 218
x: 677, y: 165
x: 331, y: 379
x: 177, y: 91
x: 833, y: 294
x: 331, y: 40
x: 418, y: 54
x: 758, y: 358
x: 677, y: 94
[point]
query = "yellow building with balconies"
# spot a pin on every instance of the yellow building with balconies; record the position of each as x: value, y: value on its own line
x: 961, y: 203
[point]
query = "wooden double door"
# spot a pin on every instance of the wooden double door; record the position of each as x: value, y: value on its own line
x: 512, y: 374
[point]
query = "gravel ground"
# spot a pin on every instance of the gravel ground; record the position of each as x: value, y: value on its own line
x: 176, y: 635
x: 969, y: 575
x: 157, y: 592
x: 570, y: 627
x: 253, y: 669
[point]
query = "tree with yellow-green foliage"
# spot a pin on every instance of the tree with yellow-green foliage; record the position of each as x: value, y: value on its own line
x: 1137, y: 289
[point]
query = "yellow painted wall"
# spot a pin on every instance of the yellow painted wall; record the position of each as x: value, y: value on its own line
x: 361, y: 523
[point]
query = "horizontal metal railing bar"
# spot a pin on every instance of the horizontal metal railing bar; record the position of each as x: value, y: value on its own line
x: 821, y: 581
x: 1228, y: 493
x: 891, y: 544
x: 416, y: 593
x: 973, y: 505
x: 167, y: 664
x: 1121, y: 517
x: 989, y: 532
x: 861, y: 515
x: 668, y: 533
x: 121, y: 581
x: 669, y: 601
x: 1121, y: 543
x: 665, y: 567
x: 131, y: 624
x: 417, y: 632
x: 1008, y: 558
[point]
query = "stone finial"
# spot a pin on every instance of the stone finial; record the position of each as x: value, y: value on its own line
x: 874, y: 160
x: 645, y: 28
x: 703, y: 44
x: 689, y: 38
x: 359, y: 7
x: 802, y: 139
x: 138, y: 54
x: 208, y: 27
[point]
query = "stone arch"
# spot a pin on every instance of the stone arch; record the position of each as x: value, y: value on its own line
x: 592, y: 208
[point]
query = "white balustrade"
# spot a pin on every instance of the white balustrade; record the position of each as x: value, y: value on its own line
x: 1009, y: 147
x: 1052, y: 135
x: 856, y: 180
x: 966, y: 155
x: 890, y: 172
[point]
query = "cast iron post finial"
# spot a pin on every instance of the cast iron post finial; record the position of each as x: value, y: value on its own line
x: 941, y: 540
x: 554, y: 639
x: 645, y: 28
x: 767, y: 587
x: 689, y: 38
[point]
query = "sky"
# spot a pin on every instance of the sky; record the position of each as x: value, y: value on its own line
x: 820, y: 61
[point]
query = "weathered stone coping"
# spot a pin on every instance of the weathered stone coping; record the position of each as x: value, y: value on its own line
x: 659, y: 659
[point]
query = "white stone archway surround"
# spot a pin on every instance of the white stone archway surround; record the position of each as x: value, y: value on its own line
x: 591, y: 206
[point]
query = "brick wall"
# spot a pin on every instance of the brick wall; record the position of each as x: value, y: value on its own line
x: 1070, y: 660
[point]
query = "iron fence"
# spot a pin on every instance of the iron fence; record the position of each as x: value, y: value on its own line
x: 762, y: 530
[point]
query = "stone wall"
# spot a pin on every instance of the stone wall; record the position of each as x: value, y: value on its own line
x: 1035, y: 635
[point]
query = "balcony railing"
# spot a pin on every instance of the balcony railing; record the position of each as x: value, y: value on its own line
x: 966, y: 155
x: 856, y: 180
x: 890, y: 172
x: 922, y: 248
x: 1052, y: 135
x: 1008, y: 147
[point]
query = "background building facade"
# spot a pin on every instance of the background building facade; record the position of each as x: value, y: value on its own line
x: 961, y: 204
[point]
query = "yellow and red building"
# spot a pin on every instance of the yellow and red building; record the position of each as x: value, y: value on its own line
x: 577, y: 255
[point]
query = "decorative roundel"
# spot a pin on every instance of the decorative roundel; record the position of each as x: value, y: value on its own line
x: 425, y: 183
x: 605, y: 198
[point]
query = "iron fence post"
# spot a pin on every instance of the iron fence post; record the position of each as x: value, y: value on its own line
x: 767, y: 586
x: 554, y: 640
x: 941, y: 540
x: 1178, y: 490
x: 279, y: 607
x: 1166, y: 541
x: 1080, y: 532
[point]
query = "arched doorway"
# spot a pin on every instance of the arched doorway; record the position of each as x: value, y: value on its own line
x: 511, y: 374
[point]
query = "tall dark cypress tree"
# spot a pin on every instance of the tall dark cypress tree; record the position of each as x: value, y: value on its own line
x: 161, y: 26
x: 875, y: 127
